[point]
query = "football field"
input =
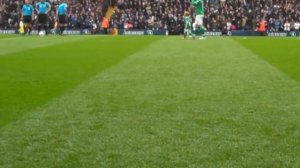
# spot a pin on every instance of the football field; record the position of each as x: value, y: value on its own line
x: 149, y: 101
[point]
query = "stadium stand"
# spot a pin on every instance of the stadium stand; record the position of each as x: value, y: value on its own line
x: 167, y: 14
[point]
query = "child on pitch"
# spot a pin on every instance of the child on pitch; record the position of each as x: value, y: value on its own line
x: 187, y: 25
x: 198, y: 25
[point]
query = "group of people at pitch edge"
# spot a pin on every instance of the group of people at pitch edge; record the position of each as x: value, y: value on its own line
x: 192, y: 29
x: 42, y: 9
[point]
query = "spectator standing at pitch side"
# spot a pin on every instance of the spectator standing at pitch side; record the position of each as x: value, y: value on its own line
x: 262, y: 28
x: 287, y: 26
x: 105, y: 24
x: 297, y: 26
x: 61, y: 12
x: 42, y: 9
x: 27, y: 15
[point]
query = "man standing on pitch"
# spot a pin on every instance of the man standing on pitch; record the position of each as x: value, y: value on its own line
x: 61, y: 12
x: 42, y: 9
x: 27, y: 15
x: 198, y: 25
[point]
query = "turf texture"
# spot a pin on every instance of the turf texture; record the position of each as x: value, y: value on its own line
x: 94, y: 101
x: 33, y: 77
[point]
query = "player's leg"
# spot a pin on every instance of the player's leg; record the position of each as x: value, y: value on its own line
x: 29, y: 25
x: 29, y: 29
x: 45, y: 23
x: 200, y: 26
x: 194, y: 29
x: 59, y: 24
x: 42, y: 23
x: 185, y: 33
x: 63, y: 28
x: 202, y: 32
x: 190, y: 30
x: 24, y: 29
x: 25, y: 21
x: 39, y: 23
x: 46, y: 28
x: 62, y: 23
x: 190, y: 33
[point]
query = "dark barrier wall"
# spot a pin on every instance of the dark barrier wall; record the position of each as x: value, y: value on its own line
x: 165, y: 32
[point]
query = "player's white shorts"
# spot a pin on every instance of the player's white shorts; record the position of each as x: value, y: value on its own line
x: 187, y: 31
x: 199, y: 20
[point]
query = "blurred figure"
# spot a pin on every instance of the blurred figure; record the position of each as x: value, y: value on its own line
x: 297, y: 26
x: 105, y: 24
x: 199, y: 25
x: 27, y: 15
x: 262, y: 28
x: 61, y: 12
x: 43, y: 8
x: 287, y: 26
x: 187, y: 25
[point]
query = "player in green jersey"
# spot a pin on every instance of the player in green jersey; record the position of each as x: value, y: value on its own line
x: 198, y: 25
x: 187, y: 25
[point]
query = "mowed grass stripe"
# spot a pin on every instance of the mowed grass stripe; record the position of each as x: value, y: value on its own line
x: 282, y: 53
x: 31, y: 78
x: 176, y: 104
x: 15, y: 44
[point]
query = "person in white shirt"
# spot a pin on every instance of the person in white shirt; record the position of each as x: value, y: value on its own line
x: 287, y: 26
x: 228, y: 24
x: 297, y: 26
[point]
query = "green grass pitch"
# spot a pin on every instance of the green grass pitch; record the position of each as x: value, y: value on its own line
x: 150, y: 101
